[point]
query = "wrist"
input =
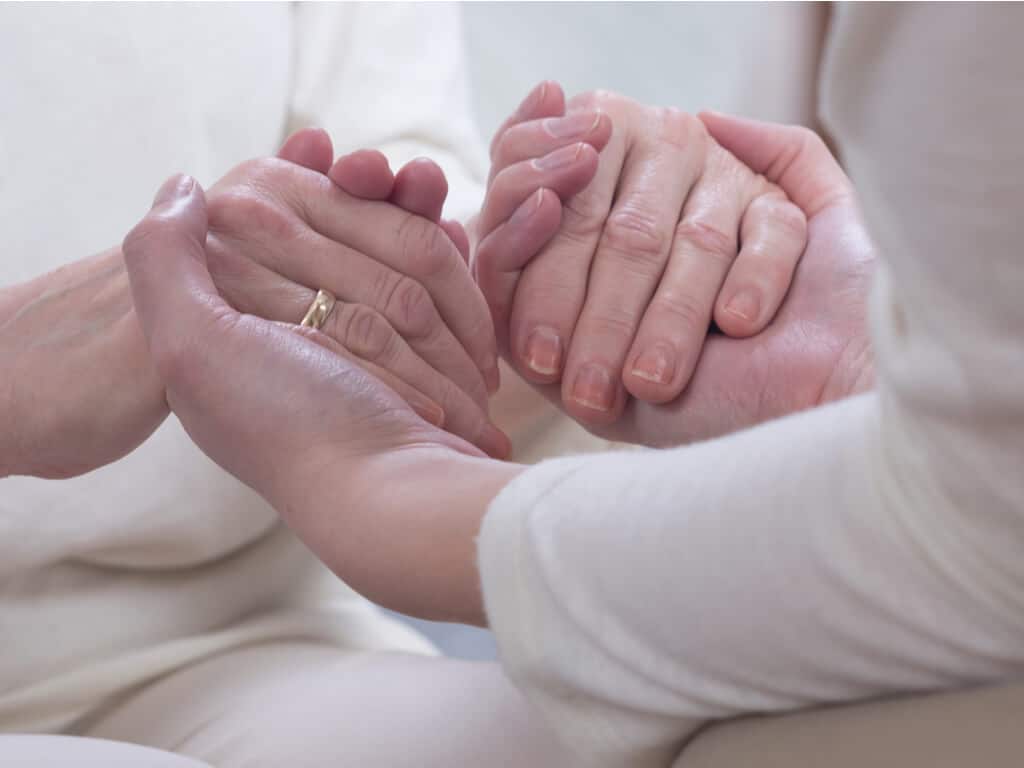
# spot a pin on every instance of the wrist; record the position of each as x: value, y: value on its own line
x: 400, y: 527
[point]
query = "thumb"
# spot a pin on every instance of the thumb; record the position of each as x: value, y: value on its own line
x: 791, y: 156
x: 165, y: 257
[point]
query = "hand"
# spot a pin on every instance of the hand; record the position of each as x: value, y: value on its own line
x: 817, y: 349
x: 350, y: 467
x: 79, y: 391
x: 407, y: 301
x: 672, y: 233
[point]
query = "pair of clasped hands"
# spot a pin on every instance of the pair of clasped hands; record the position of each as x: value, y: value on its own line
x: 612, y: 236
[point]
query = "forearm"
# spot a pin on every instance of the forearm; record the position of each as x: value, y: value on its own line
x: 78, y: 390
x: 815, y: 559
x: 418, y: 511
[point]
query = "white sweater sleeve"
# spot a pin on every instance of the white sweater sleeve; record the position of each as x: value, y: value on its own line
x: 391, y: 76
x: 864, y: 548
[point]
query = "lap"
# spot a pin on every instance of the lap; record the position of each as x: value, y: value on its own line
x: 978, y: 727
x: 76, y: 752
x: 309, y: 706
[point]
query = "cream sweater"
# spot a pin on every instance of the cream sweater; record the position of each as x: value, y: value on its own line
x: 114, y: 578
x: 865, y: 548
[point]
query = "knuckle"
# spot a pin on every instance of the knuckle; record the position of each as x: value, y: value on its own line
x: 583, y: 215
x: 784, y: 216
x: 682, y: 311
x: 677, y: 128
x: 808, y: 138
x: 452, y: 399
x: 368, y: 334
x: 615, y: 324
x: 267, y: 171
x: 635, y: 235
x: 426, y: 248
x: 707, y: 239
x: 244, y: 210
x: 410, y: 308
x: 594, y: 99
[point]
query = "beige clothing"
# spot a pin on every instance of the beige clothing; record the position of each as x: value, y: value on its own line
x: 112, y: 579
x: 869, y: 547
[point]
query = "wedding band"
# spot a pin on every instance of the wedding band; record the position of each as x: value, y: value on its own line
x: 319, y: 310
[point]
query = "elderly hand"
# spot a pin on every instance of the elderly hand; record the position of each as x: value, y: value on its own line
x: 289, y: 412
x: 79, y: 391
x: 817, y: 350
x: 406, y: 299
x: 672, y: 233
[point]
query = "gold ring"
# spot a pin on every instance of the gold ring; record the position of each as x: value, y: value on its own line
x: 319, y: 310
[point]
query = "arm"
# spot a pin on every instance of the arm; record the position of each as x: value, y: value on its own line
x: 606, y: 307
x: 864, y: 548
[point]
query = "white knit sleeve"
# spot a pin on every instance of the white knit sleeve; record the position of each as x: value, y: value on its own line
x: 865, y: 548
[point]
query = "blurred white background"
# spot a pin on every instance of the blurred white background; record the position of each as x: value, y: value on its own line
x: 753, y: 58
x: 757, y: 59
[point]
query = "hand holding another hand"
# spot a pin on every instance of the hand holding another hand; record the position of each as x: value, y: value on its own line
x: 292, y: 414
x: 79, y: 390
x: 606, y: 306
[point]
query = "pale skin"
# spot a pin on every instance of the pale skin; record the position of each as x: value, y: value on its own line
x: 85, y: 392
x: 421, y: 329
x: 351, y: 477
x: 736, y: 232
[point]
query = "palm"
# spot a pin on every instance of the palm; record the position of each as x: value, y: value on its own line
x: 796, y: 363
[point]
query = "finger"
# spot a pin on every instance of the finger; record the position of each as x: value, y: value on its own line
x: 364, y: 174
x: 501, y: 256
x: 458, y: 235
x: 426, y: 408
x: 309, y: 147
x: 537, y: 138
x: 369, y: 336
x: 675, y: 324
x: 272, y: 283
x: 553, y: 285
x: 565, y: 171
x: 365, y: 333
x: 172, y: 290
x: 793, y: 157
x: 773, y: 235
x: 421, y: 188
x: 546, y: 99
x: 664, y: 162
x: 412, y: 246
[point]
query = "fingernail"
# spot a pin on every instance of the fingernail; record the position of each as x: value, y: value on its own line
x: 593, y: 388
x: 173, y: 189
x: 559, y: 158
x: 544, y: 351
x: 746, y: 304
x: 495, y: 442
x: 655, y: 364
x: 576, y: 124
x: 427, y: 409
